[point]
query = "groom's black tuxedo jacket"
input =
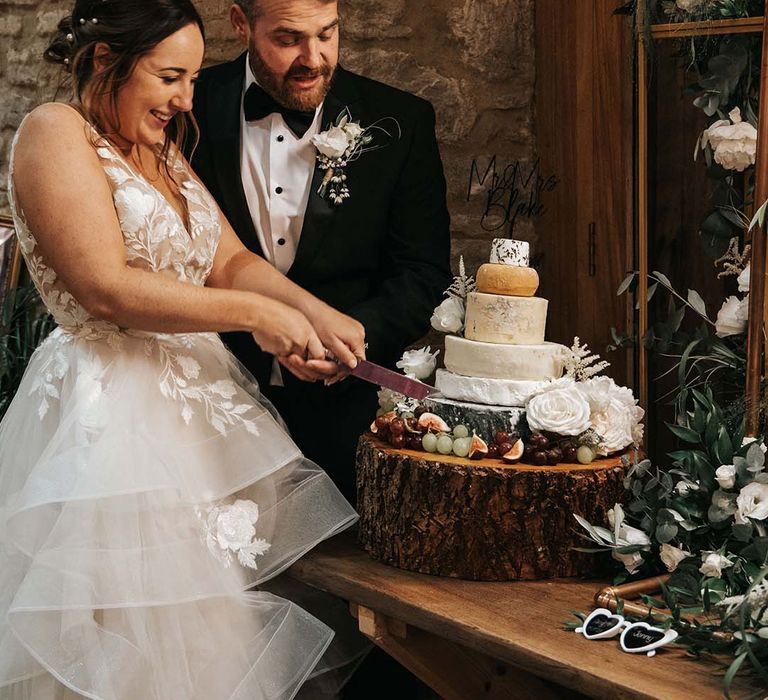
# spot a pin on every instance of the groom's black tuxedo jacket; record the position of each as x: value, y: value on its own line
x: 382, y: 256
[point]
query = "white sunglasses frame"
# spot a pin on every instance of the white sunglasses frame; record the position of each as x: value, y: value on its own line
x: 622, y: 627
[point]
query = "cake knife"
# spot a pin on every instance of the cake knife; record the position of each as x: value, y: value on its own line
x: 376, y: 374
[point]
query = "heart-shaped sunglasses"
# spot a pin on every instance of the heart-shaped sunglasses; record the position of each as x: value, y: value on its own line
x: 636, y: 637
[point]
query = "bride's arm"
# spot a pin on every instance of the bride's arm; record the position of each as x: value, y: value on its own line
x: 235, y: 267
x: 67, y: 203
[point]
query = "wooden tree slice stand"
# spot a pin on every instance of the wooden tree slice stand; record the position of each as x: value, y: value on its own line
x: 482, y: 520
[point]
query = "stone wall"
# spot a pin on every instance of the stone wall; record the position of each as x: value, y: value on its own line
x: 473, y: 59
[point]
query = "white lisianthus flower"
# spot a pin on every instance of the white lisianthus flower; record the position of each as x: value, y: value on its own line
x: 418, y: 363
x: 725, y: 475
x: 734, y: 142
x: 626, y: 535
x: 749, y: 440
x: 712, y: 564
x: 732, y: 317
x: 234, y: 527
x: 672, y: 556
x: 684, y: 487
x: 752, y: 501
x: 561, y: 411
x: 332, y: 143
x: 448, y: 317
x: 354, y: 131
x: 743, y: 279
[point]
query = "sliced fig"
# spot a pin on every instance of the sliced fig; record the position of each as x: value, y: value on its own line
x: 430, y: 421
x: 374, y: 428
x: 515, y: 453
x: 477, y: 448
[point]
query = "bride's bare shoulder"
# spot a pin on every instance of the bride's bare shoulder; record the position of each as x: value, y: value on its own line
x: 52, y: 121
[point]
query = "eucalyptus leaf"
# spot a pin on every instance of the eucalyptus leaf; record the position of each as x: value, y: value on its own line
x: 684, y: 433
x: 666, y: 532
x: 695, y: 300
x: 662, y: 278
x: 624, y: 286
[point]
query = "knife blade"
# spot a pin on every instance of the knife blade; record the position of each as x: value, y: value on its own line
x: 376, y: 374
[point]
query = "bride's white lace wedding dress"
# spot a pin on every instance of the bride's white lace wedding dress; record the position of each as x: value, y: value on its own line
x: 145, y: 487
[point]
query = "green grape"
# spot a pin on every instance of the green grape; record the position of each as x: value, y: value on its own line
x: 461, y: 446
x: 461, y: 431
x: 585, y: 455
x: 429, y: 442
x: 445, y: 444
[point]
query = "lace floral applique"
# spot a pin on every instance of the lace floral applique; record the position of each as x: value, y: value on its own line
x: 47, y: 382
x: 230, y: 529
x: 177, y: 382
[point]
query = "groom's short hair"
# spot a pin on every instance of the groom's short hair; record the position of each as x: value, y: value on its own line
x: 252, y: 8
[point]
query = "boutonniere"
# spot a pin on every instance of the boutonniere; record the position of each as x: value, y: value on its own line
x: 339, y: 145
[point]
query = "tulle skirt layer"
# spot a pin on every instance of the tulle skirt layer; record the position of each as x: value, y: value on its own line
x: 145, y: 487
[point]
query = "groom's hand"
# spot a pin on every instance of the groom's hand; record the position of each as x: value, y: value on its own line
x: 312, y: 370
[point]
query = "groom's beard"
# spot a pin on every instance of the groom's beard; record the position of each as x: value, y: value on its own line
x: 281, y: 87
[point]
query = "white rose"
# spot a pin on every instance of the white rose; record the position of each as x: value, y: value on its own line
x: 234, y: 525
x: 561, y: 411
x: 725, y: 475
x: 353, y: 130
x: 712, y: 564
x: 743, y: 279
x: 449, y: 316
x: 598, y: 391
x: 672, y: 556
x: 418, y: 363
x: 332, y: 143
x: 752, y: 501
x: 734, y: 144
x: 732, y: 317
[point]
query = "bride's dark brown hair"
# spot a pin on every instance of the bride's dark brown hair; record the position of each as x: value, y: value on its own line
x: 131, y: 29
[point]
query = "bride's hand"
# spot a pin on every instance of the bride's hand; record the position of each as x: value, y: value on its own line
x: 283, y: 331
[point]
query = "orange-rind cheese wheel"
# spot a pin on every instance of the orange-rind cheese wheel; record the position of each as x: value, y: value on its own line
x: 507, y: 279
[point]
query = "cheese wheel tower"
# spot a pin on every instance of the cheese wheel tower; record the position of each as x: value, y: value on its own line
x: 503, y: 359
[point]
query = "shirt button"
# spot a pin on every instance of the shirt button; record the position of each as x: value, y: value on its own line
x: 278, y: 190
x: 281, y: 241
x: 281, y: 138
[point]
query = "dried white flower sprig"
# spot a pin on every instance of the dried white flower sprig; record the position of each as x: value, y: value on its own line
x: 580, y: 365
x: 462, y: 283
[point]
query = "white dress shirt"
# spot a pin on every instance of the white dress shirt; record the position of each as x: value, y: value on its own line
x: 276, y: 169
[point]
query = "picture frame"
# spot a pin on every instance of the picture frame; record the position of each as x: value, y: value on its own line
x: 10, y: 257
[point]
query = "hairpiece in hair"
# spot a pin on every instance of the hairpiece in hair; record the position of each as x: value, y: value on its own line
x: 70, y: 38
x: 94, y: 20
x: 82, y: 20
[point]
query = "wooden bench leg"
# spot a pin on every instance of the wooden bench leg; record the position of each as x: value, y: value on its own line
x: 454, y: 672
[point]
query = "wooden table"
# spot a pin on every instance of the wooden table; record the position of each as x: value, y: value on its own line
x: 470, y: 640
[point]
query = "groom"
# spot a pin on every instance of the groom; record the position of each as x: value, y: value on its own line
x: 381, y: 255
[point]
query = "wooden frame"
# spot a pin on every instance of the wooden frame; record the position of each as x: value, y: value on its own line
x: 10, y: 257
x: 758, y: 313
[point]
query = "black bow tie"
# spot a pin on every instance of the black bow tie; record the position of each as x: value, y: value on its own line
x: 257, y: 104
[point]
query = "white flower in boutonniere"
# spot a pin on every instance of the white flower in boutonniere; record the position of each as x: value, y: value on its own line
x: 336, y: 148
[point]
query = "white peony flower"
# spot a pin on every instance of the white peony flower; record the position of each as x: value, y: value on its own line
x: 332, y: 143
x: 725, y: 475
x: 615, y: 414
x: 743, y: 279
x: 353, y: 130
x: 712, y: 564
x: 418, y: 363
x: 752, y: 501
x: 234, y: 527
x: 449, y: 316
x: 561, y: 411
x: 732, y: 317
x: 733, y: 142
x: 672, y: 556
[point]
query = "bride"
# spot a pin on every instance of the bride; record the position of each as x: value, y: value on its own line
x: 145, y: 486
